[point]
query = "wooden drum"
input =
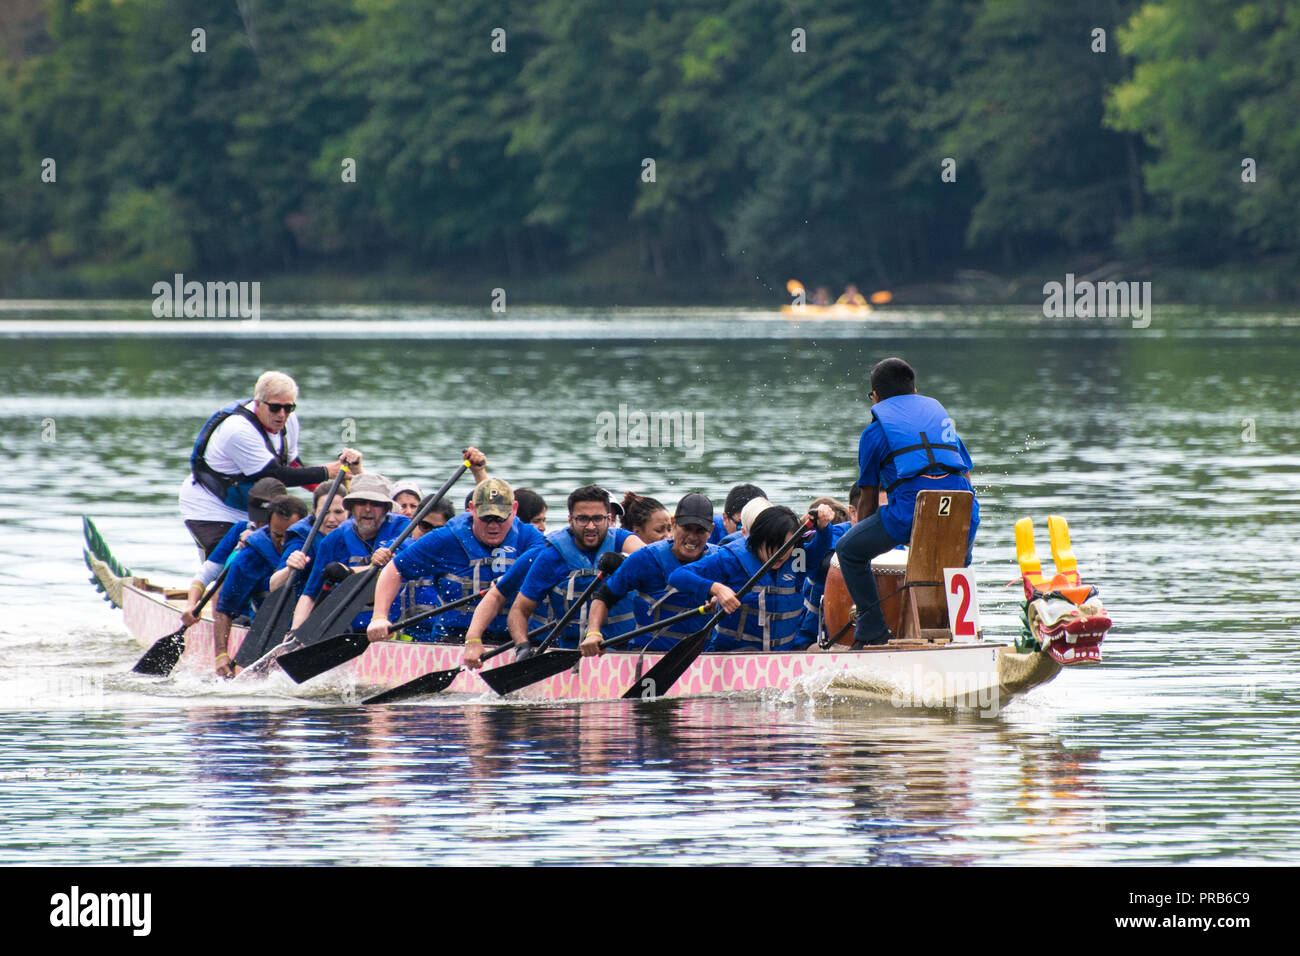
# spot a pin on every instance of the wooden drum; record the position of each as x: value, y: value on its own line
x: 889, y: 570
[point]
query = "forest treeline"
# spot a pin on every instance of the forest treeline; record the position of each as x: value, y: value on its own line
x: 883, y: 143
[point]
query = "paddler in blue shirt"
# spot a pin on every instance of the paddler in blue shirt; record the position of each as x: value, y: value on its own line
x: 249, y: 579
x: 910, y: 446
x: 561, y: 572
x: 461, y: 558
x: 293, y: 556
x: 646, y: 573
x: 767, y: 618
x: 362, y: 540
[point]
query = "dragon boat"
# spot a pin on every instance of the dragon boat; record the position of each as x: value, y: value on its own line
x: 931, y: 663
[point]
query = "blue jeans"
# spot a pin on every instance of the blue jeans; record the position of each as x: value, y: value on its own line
x: 865, y: 540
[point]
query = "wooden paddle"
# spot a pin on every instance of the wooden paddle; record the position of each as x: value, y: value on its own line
x: 502, y: 679
x: 307, y: 662
x: 542, y: 666
x: 270, y: 623
x: 660, y: 678
x: 350, y: 598
x: 159, y: 660
x: 437, y: 681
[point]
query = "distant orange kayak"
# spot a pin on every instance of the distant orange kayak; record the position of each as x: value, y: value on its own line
x: 826, y: 311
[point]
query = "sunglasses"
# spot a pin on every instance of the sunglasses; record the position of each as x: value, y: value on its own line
x: 276, y: 407
x: 428, y: 526
x: 492, y: 519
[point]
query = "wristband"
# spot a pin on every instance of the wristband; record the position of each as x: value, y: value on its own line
x: 473, y: 640
x: 219, y: 656
x: 593, y: 634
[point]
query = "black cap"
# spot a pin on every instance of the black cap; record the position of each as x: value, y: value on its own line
x: 695, y: 509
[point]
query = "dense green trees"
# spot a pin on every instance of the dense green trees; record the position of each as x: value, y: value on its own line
x: 733, y: 138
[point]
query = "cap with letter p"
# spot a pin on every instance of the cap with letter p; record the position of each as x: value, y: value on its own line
x: 493, y: 498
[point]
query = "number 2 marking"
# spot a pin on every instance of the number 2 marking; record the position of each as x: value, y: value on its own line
x: 945, y: 506
x: 962, y: 627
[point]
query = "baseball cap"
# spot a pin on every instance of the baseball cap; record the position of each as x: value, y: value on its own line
x: 260, y: 496
x: 695, y: 509
x: 493, y: 498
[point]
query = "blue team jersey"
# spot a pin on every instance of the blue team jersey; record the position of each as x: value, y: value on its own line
x: 646, y: 573
x: 344, y: 545
x: 897, y: 515
x: 249, y: 576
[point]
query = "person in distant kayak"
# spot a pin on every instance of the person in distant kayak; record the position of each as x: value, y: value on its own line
x: 248, y: 581
x: 851, y: 296
x: 242, y: 442
x: 822, y: 296
x: 461, y: 558
x: 911, y: 445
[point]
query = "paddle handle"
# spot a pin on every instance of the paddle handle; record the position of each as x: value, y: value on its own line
x: 321, y: 510
x: 435, y: 611
x: 613, y: 642
x: 777, y: 557
x: 213, y: 588
x: 576, y: 606
x: 427, y: 505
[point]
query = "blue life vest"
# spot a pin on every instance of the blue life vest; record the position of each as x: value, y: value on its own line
x: 622, y: 616
x: 814, y: 586
x: 664, y: 601
x: 768, y: 618
x: 257, y: 556
x: 231, y: 490
x: 359, y: 553
x: 914, y: 426
x: 483, y: 565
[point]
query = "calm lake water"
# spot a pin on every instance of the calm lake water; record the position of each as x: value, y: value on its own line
x: 1173, y: 451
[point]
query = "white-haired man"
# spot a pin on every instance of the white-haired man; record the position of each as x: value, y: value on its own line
x: 244, y: 441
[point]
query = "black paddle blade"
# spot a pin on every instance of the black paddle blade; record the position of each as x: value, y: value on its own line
x: 434, y: 683
x: 336, y: 612
x: 159, y: 660
x: 657, y: 680
x: 269, y: 626
x: 511, y: 677
x: 304, y: 664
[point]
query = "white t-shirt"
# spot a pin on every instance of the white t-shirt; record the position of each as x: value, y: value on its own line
x: 236, y: 447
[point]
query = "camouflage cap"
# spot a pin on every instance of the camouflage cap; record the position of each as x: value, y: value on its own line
x: 493, y: 498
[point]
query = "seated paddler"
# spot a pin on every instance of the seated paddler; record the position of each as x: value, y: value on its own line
x: 767, y: 618
x: 563, y: 569
x: 644, y: 576
x: 364, y: 539
x: 461, y: 558
x: 911, y: 445
x: 249, y: 579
